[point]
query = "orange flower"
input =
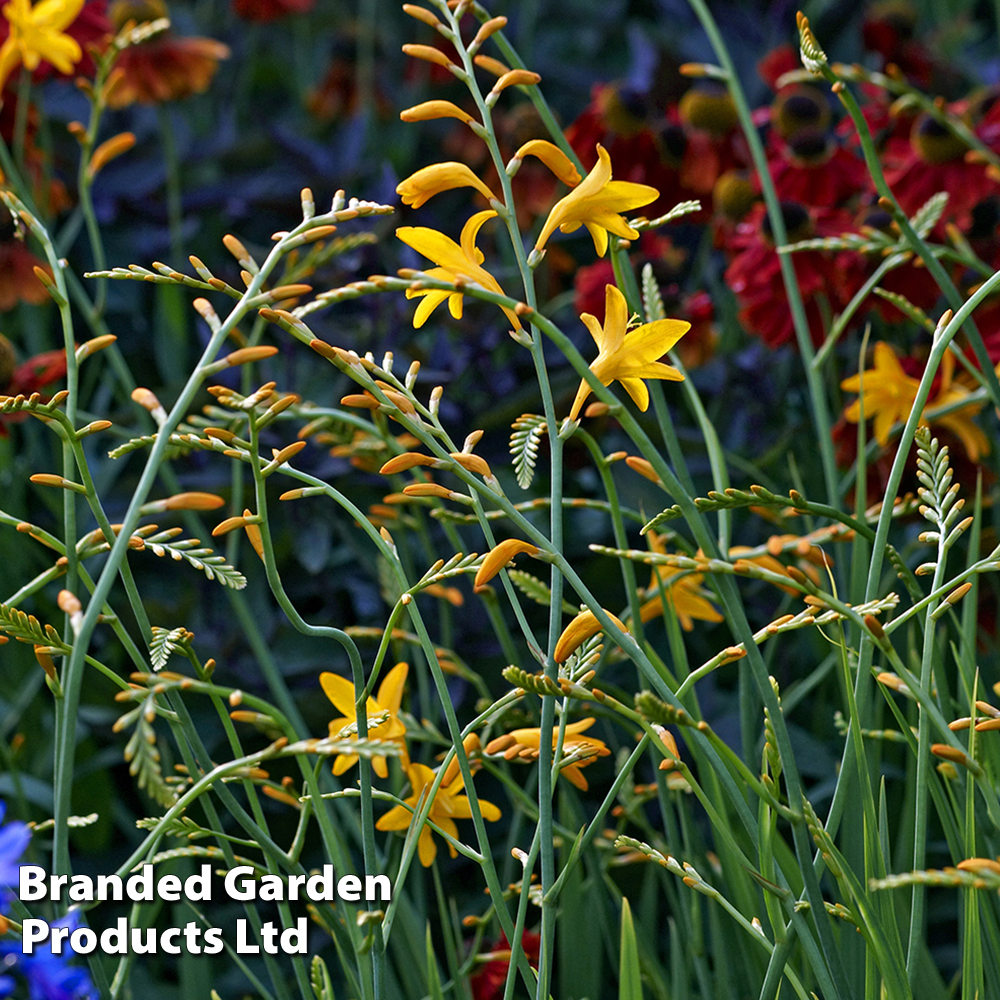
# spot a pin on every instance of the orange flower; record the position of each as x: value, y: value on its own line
x: 164, y: 68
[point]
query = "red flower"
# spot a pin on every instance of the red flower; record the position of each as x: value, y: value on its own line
x: 28, y: 377
x: 933, y: 160
x: 813, y: 169
x: 164, y: 68
x: 488, y: 982
x: 18, y: 282
x: 754, y: 273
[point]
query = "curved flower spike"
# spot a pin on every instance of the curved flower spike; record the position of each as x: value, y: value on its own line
x: 36, y: 34
x: 457, y: 262
x: 597, y: 203
x: 420, y: 187
x: 629, y: 356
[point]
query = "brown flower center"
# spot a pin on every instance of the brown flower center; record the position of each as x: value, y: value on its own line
x: 934, y: 143
x: 708, y: 106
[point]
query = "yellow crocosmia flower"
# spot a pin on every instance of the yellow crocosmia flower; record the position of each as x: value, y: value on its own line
x: 390, y: 693
x: 36, y: 35
x: 684, y: 596
x: 524, y: 744
x: 960, y: 422
x: 420, y: 187
x: 448, y: 806
x: 887, y: 393
x: 596, y: 202
x: 457, y: 262
x: 629, y: 356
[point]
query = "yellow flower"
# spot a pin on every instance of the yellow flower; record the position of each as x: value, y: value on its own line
x: 36, y: 34
x: 390, y: 693
x: 420, y: 187
x: 448, y: 806
x: 457, y: 263
x: 596, y: 203
x: 887, y: 393
x: 684, y: 596
x: 960, y: 422
x: 524, y: 744
x: 629, y: 355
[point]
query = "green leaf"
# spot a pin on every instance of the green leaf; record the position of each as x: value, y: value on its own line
x: 166, y: 642
x: 629, y: 977
x: 433, y: 976
x: 528, y: 430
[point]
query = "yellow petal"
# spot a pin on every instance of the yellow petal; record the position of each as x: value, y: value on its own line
x: 390, y: 692
x: 553, y: 157
x: 421, y: 186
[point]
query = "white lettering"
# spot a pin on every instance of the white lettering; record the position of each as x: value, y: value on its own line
x: 349, y: 888
x: 243, y: 947
x: 33, y: 931
x: 241, y: 891
x: 293, y: 939
x: 385, y: 887
x: 199, y: 887
x: 169, y: 888
x: 31, y: 884
x: 83, y: 940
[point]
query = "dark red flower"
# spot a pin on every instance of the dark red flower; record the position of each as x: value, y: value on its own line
x: 813, y: 169
x: 888, y: 29
x: 28, y: 377
x: 164, y: 68
x: 488, y: 982
x: 933, y: 160
x: 754, y: 272
x: 18, y: 282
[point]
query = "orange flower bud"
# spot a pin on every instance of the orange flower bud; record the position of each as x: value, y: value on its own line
x: 578, y: 631
x: 426, y: 490
x: 643, y: 467
x: 499, y: 556
x: 667, y: 739
x: 108, y: 150
x: 429, y: 110
x: 429, y: 54
x: 516, y: 78
x: 472, y: 747
x: 408, y: 460
x: 491, y: 65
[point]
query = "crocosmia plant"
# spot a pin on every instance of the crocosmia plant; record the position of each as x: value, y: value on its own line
x: 491, y: 508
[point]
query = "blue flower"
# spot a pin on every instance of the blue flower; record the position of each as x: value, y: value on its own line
x: 49, y: 976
